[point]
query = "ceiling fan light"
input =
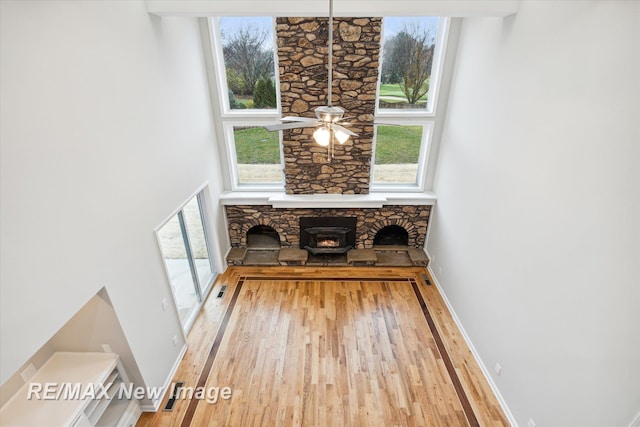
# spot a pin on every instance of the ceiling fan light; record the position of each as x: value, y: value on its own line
x: 322, y: 136
x: 329, y: 114
x: 341, y: 136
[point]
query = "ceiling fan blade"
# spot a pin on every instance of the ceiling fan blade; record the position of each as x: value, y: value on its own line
x: 293, y: 125
x: 370, y: 123
x: 298, y: 119
x: 345, y: 130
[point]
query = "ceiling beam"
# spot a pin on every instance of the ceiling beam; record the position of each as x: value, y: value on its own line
x: 346, y: 8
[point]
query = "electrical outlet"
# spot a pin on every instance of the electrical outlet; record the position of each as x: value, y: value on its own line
x: 175, y: 340
x: 498, y: 369
x: 531, y: 423
x: 439, y: 271
x: 106, y: 348
x: 28, y: 373
x: 164, y: 304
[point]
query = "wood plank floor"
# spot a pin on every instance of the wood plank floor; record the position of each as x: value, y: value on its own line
x: 302, y: 346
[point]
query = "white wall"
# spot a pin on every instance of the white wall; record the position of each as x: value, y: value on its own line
x: 106, y: 130
x: 535, y: 237
x: 92, y: 326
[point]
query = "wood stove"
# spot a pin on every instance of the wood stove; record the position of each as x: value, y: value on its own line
x: 327, y: 240
x: 328, y: 235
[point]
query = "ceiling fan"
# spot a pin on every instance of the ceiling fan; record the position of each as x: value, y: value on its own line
x: 328, y: 116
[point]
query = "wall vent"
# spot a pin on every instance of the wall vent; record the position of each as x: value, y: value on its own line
x: 175, y: 392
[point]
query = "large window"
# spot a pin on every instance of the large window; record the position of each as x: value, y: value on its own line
x: 399, y: 153
x: 407, y: 92
x: 246, y: 68
x: 249, y: 62
x: 408, y: 53
x: 406, y: 107
x: 256, y: 155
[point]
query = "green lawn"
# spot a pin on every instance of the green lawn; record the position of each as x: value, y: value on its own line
x: 391, y: 90
x: 257, y: 146
x: 394, y: 144
x: 398, y: 144
x: 392, y: 93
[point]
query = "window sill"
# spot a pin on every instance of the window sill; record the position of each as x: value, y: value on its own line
x: 282, y: 200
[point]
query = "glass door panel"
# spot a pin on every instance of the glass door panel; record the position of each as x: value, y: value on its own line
x: 175, y: 251
x: 187, y: 256
x: 193, y: 213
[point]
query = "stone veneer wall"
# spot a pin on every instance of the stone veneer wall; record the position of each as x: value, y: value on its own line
x: 302, y: 59
x: 414, y: 219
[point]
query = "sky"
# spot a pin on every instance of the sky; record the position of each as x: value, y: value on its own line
x: 230, y: 23
x: 391, y: 25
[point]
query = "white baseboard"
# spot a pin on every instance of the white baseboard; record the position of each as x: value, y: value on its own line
x: 157, y: 402
x: 475, y: 353
x: 636, y: 421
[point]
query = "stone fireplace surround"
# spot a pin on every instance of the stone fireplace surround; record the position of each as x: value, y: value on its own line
x: 282, y: 213
x: 286, y: 221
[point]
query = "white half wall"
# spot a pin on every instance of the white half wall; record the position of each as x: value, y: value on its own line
x: 106, y: 130
x: 535, y: 237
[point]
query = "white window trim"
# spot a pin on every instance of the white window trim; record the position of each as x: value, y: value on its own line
x: 236, y: 185
x: 425, y: 147
x: 427, y: 117
x: 249, y: 117
x: 221, y: 81
x: 436, y: 74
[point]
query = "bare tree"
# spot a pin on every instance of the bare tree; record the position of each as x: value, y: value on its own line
x: 245, y: 54
x: 409, y: 56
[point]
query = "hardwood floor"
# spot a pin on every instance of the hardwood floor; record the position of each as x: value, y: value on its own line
x: 306, y: 346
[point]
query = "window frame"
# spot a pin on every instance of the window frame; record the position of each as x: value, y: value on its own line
x: 431, y: 118
x: 425, y: 148
x: 232, y: 157
x: 201, y: 291
x: 241, y: 117
x: 427, y: 117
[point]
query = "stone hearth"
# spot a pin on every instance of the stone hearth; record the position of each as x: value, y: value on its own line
x: 381, y: 256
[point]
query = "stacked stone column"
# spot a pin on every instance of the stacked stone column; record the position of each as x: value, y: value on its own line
x: 303, y: 60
